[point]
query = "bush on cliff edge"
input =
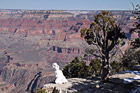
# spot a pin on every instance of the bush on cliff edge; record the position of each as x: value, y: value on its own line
x: 75, y: 69
x: 79, y: 69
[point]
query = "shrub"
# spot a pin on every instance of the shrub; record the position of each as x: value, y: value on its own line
x: 131, y: 58
x: 75, y: 69
x: 79, y: 69
x: 40, y: 90
x: 95, y: 65
x: 116, y: 67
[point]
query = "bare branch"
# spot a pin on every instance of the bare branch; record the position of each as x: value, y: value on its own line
x: 96, y: 55
x: 117, y: 47
x: 100, y: 50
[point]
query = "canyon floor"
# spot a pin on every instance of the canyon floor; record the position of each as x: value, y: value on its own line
x: 31, y: 40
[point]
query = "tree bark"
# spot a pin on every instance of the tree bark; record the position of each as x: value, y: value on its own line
x: 104, y: 73
x: 105, y: 68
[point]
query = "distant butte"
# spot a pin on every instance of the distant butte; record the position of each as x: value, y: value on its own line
x: 34, y: 39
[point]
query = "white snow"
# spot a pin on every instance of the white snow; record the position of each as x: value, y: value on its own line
x: 129, y: 80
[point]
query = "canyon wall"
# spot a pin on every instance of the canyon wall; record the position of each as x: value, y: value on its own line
x: 31, y: 40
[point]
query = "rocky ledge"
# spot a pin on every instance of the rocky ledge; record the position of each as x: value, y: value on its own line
x: 124, y: 82
x: 80, y: 85
x: 73, y: 85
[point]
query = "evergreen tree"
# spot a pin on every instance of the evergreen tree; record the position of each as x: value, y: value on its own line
x: 104, y: 33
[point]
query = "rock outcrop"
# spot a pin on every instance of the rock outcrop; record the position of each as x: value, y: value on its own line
x: 34, y: 39
x: 73, y: 85
x: 80, y: 85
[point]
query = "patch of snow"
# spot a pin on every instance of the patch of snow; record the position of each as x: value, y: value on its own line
x: 129, y: 80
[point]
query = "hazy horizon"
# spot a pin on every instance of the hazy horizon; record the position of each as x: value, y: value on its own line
x: 61, y: 10
x: 68, y: 5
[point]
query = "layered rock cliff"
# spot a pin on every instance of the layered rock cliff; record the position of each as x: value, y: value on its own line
x: 31, y: 40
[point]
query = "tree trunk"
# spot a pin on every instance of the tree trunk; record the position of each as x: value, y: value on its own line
x: 105, y: 69
x: 104, y: 73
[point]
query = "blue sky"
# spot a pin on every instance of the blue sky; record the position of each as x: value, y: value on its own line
x: 68, y: 4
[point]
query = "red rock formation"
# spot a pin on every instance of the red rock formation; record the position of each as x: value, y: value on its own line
x: 134, y: 35
x: 34, y: 39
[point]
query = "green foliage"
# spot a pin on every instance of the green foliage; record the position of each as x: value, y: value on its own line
x: 116, y: 67
x: 40, y: 90
x: 75, y: 69
x: 105, y: 34
x: 95, y: 65
x: 81, y: 70
x: 131, y: 58
x: 103, y: 26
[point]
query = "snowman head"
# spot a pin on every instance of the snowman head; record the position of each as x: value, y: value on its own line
x: 55, y: 66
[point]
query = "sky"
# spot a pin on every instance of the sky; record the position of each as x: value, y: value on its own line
x: 68, y: 4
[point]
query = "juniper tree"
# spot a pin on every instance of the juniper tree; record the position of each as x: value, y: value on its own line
x: 136, y: 13
x: 104, y: 33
